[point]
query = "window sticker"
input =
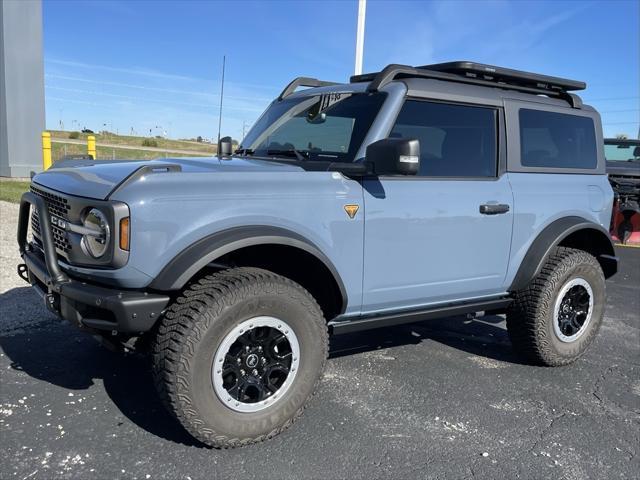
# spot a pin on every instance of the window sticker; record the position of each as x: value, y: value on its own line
x: 325, y: 102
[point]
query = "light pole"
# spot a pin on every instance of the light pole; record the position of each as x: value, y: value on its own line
x: 224, y: 61
x: 362, y: 8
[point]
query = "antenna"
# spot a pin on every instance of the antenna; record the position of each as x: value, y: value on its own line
x: 224, y: 58
x: 244, y: 128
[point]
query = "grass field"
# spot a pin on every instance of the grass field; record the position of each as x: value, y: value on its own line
x: 11, y: 191
x: 132, y: 141
x: 59, y: 150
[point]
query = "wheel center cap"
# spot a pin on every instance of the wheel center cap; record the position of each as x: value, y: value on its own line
x: 251, y: 360
x: 565, y: 308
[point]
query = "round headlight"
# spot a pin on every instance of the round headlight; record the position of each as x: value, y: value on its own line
x: 96, y: 244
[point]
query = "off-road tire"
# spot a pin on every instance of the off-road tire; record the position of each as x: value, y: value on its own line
x: 193, y: 328
x: 530, y: 317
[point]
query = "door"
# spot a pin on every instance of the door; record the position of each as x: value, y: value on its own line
x: 444, y: 234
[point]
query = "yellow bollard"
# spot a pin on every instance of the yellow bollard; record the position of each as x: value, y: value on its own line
x: 46, y: 150
x: 91, y: 146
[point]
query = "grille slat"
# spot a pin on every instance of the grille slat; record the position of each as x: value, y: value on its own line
x: 59, y: 207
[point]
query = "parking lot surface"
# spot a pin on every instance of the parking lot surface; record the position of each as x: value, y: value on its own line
x: 439, y: 399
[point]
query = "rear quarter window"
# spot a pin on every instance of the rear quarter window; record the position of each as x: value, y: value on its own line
x: 557, y: 140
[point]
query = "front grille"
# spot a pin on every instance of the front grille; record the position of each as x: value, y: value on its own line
x: 59, y: 207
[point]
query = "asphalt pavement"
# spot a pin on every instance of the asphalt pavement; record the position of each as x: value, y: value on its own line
x: 439, y: 399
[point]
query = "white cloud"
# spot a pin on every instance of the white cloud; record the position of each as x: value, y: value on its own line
x: 194, y: 92
x: 130, y: 71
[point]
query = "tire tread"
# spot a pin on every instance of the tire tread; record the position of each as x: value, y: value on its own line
x: 184, y: 324
x: 532, y: 304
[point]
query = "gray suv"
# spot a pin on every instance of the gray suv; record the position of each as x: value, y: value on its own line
x: 403, y: 195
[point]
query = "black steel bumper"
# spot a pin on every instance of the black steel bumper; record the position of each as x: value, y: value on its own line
x: 88, y: 306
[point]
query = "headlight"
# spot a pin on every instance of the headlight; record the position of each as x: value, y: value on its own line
x: 97, y: 241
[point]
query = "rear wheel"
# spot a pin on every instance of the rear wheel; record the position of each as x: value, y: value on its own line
x: 554, y: 319
x: 238, y: 355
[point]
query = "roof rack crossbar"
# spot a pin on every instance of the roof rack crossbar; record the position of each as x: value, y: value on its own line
x: 303, y: 82
x: 466, y: 72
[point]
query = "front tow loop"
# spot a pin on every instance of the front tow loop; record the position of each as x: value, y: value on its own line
x: 23, y: 272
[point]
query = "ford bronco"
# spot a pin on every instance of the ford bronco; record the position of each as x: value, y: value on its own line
x: 403, y: 195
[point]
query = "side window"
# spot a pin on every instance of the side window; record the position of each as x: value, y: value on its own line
x: 557, y: 140
x: 455, y: 140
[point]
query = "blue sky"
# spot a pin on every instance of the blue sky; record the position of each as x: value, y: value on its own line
x: 156, y: 65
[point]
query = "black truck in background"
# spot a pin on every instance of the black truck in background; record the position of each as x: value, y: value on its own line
x: 623, y: 167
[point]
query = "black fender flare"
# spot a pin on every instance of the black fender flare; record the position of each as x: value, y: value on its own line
x: 550, y: 237
x: 198, y: 255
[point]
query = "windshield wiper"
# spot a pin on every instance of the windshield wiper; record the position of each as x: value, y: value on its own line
x: 301, y: 155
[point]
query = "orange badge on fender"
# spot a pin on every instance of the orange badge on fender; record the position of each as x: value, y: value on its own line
x: 351, y: 210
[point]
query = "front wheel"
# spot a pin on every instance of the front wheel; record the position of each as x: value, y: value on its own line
x: 238, y: 355
x: 554, y: 319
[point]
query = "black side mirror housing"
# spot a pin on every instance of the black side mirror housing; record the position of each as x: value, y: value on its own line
x: 394, y: 156
x: 225, y: 147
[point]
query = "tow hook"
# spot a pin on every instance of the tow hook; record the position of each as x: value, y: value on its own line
x: 51, y: 301
x: 23, y: 272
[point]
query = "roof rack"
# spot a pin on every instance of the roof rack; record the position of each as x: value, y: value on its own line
x: 479, y: 74
x: 303, y: 82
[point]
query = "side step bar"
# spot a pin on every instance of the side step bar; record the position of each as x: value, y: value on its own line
x: 338, y: 327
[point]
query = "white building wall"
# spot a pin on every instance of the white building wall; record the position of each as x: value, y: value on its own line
x: 22, y: 116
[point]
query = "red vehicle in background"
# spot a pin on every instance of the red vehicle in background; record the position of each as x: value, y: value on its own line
x: 623, y: 167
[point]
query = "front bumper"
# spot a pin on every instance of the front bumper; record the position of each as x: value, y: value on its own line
x: 86, y: 305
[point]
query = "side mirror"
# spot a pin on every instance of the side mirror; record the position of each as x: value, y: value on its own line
x: 225, y: 147
x: 393, y: 156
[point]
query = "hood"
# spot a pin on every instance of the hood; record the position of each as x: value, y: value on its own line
x: 99, y: 179
x: 627, y: 169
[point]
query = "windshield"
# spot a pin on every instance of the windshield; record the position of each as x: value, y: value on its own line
x: 622, y: 152
x: 327, y: 127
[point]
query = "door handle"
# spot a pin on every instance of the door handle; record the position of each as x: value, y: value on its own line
x: 494, y: 208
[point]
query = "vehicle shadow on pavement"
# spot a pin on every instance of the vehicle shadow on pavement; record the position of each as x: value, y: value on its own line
x: 61, y: 355
x: 485, y: 337
x: 47, y: 349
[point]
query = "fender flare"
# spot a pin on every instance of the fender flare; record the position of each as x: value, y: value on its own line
x: 550, y: 237
x: 198, y: 255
